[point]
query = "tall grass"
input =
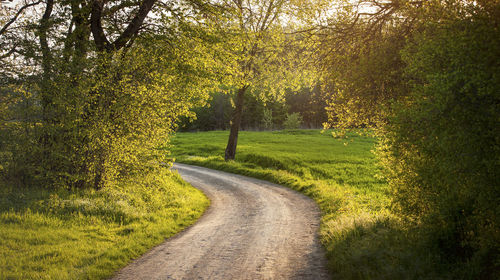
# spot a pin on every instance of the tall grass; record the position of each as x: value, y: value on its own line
x: 362, y: 239
x: 89, y: 234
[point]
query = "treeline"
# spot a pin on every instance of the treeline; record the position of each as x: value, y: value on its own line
x: 301, y: 109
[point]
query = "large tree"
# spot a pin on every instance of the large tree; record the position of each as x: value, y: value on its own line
x: 101, y: 82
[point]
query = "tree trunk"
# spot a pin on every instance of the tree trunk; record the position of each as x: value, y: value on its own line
x: 235, y: 125
x: 46, y: 59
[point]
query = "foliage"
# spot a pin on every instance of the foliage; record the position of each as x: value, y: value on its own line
x: 216, y: 114
x: 213, y: 116
x: 108, y: 122
x: 259, y: 53
x: 293, y: 121
x: 425, y: 75
x: 443, y: 142
x: 310, y: 103
x: 89, y: 234
x: 98, y: 112
x: 362, y: 68
x: 267, y: 119
x: 254, y: 110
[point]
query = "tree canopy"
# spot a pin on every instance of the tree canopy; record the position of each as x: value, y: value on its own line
x: 104, y: 89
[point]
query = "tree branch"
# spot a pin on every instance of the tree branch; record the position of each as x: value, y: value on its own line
x: 100, y: 39
x: 13, y: 19
x: 11, y: 51
x: 120, y: 6
x: 134, y: 25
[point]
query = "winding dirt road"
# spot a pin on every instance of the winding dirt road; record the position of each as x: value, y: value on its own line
x: 252, y: 230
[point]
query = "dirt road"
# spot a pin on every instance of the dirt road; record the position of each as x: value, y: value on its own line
x: 252, y: 230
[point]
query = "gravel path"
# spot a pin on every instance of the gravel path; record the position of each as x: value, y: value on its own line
x: 252, y: 230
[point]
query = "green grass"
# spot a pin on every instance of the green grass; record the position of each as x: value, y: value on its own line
x: 88, y: 234
x: 362, y: 239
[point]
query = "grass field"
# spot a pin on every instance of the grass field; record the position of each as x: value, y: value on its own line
x: 88, y: 234
x: 362, y: 239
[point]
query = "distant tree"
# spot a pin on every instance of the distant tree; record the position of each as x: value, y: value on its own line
x: 267, y: 119
x: 310, y: 103
x: 215, y: 115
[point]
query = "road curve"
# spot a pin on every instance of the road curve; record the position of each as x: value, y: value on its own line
x: 252, y: 230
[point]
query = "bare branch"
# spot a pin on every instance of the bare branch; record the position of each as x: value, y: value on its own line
x: 19, y: 12
x: 11, y: 51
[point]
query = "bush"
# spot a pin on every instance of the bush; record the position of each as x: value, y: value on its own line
x: 442, y: 145
x: 293, y: 121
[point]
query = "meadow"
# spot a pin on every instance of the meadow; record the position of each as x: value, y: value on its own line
x: 87, y: 233
x: 361, y: 237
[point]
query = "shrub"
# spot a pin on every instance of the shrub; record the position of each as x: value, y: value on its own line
x: 442, y: 145
x: 293, y: 121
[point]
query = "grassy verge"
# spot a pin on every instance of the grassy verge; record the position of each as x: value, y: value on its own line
x: 362, y: 239
x: 88, y: 234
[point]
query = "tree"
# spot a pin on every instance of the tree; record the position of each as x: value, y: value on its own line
x: 360, y: 61
x: 267, y: 119
x: 310, y: 103
x: 259, y: 62
x: 100, y: 109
